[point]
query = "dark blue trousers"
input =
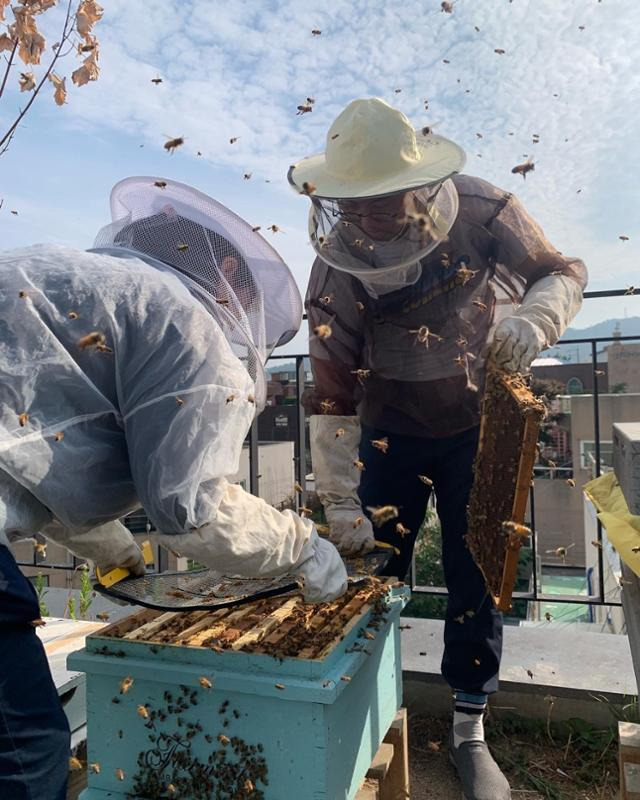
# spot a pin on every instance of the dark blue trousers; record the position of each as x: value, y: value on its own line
x: 34, y: 732
x: 472, y: 649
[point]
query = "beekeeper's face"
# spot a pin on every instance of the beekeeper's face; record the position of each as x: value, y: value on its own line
x: 381, y: 218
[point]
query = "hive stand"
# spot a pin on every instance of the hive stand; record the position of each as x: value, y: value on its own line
x: 388, y: 775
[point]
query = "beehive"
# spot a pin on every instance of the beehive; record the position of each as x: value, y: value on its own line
x: 271, y: 701
x: 503, y: 469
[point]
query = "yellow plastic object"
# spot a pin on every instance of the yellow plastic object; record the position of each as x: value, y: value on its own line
x: 623, y: 528
x: 120, y: 573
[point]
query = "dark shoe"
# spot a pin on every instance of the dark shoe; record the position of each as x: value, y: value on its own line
x: 479, y: 774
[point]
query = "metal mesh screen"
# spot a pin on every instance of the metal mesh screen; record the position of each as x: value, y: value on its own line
x: 207, y: 589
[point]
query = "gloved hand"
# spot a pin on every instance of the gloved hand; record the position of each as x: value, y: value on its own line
x: 334, y: 449
x: 324, y: 572
x: 248, y: 537
x: 546, y: 311
x: 109, y: 546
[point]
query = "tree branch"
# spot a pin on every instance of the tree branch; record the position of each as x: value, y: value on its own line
x: 66, y: 33
x: 9, y: 63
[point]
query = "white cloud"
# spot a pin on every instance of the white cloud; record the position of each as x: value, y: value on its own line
x: 241, y: 68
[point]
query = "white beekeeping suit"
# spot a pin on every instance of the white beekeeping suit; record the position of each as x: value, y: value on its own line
x: 130, y: 376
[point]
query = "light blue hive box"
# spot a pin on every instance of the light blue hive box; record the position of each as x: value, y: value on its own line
x: 318, y: 734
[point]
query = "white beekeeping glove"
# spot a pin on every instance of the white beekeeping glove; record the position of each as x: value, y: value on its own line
x: 334, y: 454
x: 546, y: 311
x: 248, y: 537
x: 109, y: 546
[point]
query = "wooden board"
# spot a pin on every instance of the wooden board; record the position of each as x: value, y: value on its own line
x: 503, y: 470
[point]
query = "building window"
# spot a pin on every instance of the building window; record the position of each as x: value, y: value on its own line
x: 575, y: 386
x: 588, y: 453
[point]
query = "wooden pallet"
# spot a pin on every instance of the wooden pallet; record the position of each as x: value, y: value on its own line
x: 388, y: 775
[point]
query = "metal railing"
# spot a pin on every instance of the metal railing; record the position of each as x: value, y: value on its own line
x: 139, y: 521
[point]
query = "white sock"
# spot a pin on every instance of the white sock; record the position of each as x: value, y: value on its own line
x: 468, y: 715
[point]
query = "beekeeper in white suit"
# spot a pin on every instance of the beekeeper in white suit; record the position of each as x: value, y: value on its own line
x: 129, y: 376
x: 420, y: 272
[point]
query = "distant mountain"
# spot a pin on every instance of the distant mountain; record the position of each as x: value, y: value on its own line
x: 575, y: 353
x: 287, y: 366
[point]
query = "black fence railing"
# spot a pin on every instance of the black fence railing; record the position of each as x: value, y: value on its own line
x: 139, y: 523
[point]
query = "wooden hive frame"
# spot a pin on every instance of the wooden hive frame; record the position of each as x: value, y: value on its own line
x: 503, y: 470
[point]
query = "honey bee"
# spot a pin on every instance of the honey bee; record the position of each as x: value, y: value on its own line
x: 425, y: 480
x: 623, y: 238
x: 23, y: 419
x: 445, y: 260
x: 40, y: 548
x: 120, y: 774
x: 479, y: 304
x: 95, y: 767
x: 476, y: 662
x: 126, y: 684
x: 358, y: 464
x: 401, y: 530
x: 22, y: 295
x: 156, y: 81
x: 461, y: 342
x: 103, y: 616
x: 345, y: 678
x: 230, y: 399
x: 327, y: 406
x: 340, y: 432
x: 223, y: 739
x: 335, y: 136
x: 570, y: 482
x: 397, y: 91
x: 160, y: 184
x: 172, y: 144
x: 256, y: 228
x: 93, y: 339
x: 479, y: 135
x: 597, y: 544
x: 459, y: 620
x: 476, y: 28
x: 59, y: 436
x: 72, y: 315
x: 304, y: 108
x: 361, y: 374
x: 522, y: 169
x: 171, y: 788
x: 382, y: 514
x: 327, y: 299
x: 445, y: 61
x: 359, y: 306
x: 548, y: 616
x: 423, y: 334
x: 308, y: 188
x: 75, y: 764
x: 274, y: 229
x: 248, y: 786
x: 247, y: 176
x: 434, y: 746
x: 233, y: 139
x: 530, y: 674
x: 381, y: 444
x: 499, y: 51
x: 280, y: 686
x: 446, y: 7
x: 358, y: 242
x: 182, y: 248
x: 179, y: 401
x: 298, y: 488
x: 304, y: 511
x: 357, y: 522
x: 323, y: 331
x: 205, y: 682
x: 466, y: 274
x: 144, y: 713
x: 251, y: 399
x: 315, y: 32
x: 37, y: 623
x: 631, y: 290
x: 598, y: 372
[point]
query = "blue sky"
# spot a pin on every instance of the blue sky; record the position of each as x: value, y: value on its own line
x: 240, y: 69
